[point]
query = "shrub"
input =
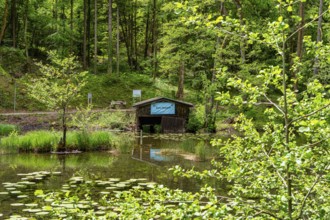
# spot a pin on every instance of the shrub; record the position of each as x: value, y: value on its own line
x: 196, y: 119
x: 6, y: 129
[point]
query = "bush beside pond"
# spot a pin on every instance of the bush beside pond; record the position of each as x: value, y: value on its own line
x: 6, y: 129
x: 47, y: 141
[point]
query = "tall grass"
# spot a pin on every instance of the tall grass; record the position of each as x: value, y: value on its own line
x: 34, y: 141
x: 6, y: 129
x: 47, y: 141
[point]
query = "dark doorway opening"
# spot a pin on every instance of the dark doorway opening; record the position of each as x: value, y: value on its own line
x: 150, y: 124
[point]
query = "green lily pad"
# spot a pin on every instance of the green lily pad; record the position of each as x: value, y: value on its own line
x: 42, y: 213
x: 35, y: 210
x: 17, y: 204
x: 16, y: 192
x: 83, y: 206
x: 114, y: 179
x: 11, y: 189
x: 100, y: 212
x: 22, y: 196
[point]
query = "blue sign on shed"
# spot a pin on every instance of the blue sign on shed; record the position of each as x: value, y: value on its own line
x: 162, y: 108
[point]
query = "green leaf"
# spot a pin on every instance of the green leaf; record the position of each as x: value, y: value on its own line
x: 289, y: 8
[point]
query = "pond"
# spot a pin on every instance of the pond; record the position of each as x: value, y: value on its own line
x: 150, y: 161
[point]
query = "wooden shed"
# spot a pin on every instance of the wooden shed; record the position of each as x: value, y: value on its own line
x: 170, y: 115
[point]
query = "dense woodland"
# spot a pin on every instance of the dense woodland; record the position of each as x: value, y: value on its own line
x: 188, y: 43
x: 260, y: 64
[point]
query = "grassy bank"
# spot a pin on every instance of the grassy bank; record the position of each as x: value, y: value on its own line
x: 47, y: 141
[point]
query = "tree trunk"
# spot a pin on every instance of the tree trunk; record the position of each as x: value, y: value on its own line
x: 25, y: 29
x: 4, y: 22
x: 154, y: 38
x: 241, y: 19
x: 299, y: 42
x: 117, y: 42
x: 319, y: 36
x: 110, y: 37
x: 71, y: 25
x: 85, y: 36
x: 88, y: 32
x: 13, y: 22
x: 180, y: 92
x: 95, y: 36
x: 63, y: 21
x: 137, y: 66
x: 62, y: 144
x: 126, y: 31
x: 146, y: 39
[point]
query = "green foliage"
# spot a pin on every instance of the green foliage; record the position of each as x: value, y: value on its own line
x: 35, y: 141
x: 196, y: 119
x: 59, y: 84
x: 46, y: 141
x: 6, y: 129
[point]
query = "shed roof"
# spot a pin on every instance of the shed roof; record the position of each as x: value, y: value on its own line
x: 146, y: 102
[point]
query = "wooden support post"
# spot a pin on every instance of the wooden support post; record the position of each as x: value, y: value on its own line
x: 141, y: 136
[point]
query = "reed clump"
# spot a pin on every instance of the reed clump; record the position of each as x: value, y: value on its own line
x: 47, y: 141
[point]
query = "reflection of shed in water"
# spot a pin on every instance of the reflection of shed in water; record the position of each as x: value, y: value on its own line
x: 150, y: 155
x: 171, y: 115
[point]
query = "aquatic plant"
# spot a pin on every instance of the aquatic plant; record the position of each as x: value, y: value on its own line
x: 81, y: 198
x: 200, y: 151
x: 46, y: 141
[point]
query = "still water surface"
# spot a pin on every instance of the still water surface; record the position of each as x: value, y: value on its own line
x: 140, y: 161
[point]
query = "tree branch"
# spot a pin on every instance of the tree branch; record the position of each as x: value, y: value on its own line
x: 307, y: 115
x: 273, y: 165
x: 265, y: 212
x: 316, y: 18
x: 274, y: 104
x: 307, y: 195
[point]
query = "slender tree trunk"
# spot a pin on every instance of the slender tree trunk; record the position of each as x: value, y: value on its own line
x: 299, y: 42
x: 85, y: 36
x: 117, y: 43
x: 55, y: 14
x: 126, y: 37
x: 26, y: 28
x: 4, y: 22
x: 180, y: 92
x: 131, y: 35
x: 89, y: 17
x: 71, y: 25
x: 319, y: 36
x: 154, y: 38
x: 146, y: 39
x: 110, y: 37
x: 95, y: 36
x: 209, y: 105
x: 241, y: 19
x: 62, y: 144
x: 63, y: 21
x: 135, y: 37
x: 13, y: 22
x: 286, y: 132
x: 210, y: 113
